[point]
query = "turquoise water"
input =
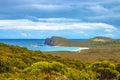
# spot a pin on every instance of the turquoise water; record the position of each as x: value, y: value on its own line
x: 37, y: 44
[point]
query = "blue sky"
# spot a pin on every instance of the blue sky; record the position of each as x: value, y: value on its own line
x: 66, y: 18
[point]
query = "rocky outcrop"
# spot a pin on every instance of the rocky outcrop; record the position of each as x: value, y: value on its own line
x: 49, y: 41
x: 58, y: 41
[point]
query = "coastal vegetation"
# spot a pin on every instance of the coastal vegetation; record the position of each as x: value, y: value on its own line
x: 100, y: 62
x: 19, y: 63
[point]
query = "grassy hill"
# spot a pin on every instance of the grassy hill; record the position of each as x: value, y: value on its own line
x: 101, y: 48
x: 19, y: 63
x: 14, y: 60
x: 59, y: 41
x: 101, y: 39
x: 101, y: 51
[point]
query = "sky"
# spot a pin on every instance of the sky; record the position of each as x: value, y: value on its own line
x: 74, y: 19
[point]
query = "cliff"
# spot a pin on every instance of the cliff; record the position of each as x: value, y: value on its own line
x: 59, y: 41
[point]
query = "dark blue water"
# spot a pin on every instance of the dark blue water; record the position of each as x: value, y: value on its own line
x: 37, y: 44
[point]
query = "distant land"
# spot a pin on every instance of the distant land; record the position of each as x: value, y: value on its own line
x: 100, y: 49
x: 60, y: 41
x: 100, y: 62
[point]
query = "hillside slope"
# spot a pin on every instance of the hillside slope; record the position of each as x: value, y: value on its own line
x: 99, y: 51
x: 59, y: 41
x: 18, y: 63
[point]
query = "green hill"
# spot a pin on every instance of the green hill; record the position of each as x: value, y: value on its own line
x: 59, y: 41
x: 19, y: 63
x: 98, y: 51
x: 101, y: 39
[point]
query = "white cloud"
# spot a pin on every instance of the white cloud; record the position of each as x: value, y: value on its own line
x: 104, y: 17
x: 98, y: 8
x: 50, y: 6
x: 58, y: 20
x: 81, y: 32
x: 28, y: 24
x: 24, y: 34
x: 108, y: 35
x: 109, y: 30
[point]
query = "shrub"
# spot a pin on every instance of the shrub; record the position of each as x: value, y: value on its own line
x: 48, y: 70
x: 118, y: 67
x: 105, y: 70
x: 5, y: 65
x: 118, y: 77
x: 81, y: 75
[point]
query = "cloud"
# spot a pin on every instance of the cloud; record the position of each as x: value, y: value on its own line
x: 24, y: 34
x: 50, y: 6
x: 109, y: 30
x: 113, y: 16
x: 69, y: 24
x: 98, y: 9
x: 108, y: 35
x: 60, y: 8
x: 59, y: 20
x: 92, y: 16
x: 81, y: 32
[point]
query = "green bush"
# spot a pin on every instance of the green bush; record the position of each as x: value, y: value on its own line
x: 105, y: 70
x: 48, y: 70
x: 5, y: 65
x: 74, y: 74
x: 118, y: 77
x: 118, y: 67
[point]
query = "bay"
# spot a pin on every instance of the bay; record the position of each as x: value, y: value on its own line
x: 38, y: 44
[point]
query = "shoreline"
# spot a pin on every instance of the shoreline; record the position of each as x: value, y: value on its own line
x: 81, y: 48
x: 75, y: 49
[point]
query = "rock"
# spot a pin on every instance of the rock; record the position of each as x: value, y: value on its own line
x: 56, y: 41
x: 49, y: 41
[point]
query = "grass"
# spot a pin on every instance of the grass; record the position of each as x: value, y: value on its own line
x: 99, y: 52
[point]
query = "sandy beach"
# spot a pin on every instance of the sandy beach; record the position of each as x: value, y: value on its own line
x: 81, y: 48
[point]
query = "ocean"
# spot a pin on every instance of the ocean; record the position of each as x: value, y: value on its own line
x: 38, y: 44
